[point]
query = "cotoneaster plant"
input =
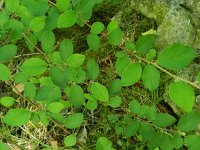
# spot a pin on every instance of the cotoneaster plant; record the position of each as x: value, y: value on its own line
x: 56, y: 84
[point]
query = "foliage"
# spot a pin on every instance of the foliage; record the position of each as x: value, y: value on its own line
x: 62, y: 84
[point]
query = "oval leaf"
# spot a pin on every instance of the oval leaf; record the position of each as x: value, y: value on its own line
x: 93, y: 41
x: 70, y: 140
x: 55, y: 107
x: 189, y: 121
x: 182, y: 95
x: 34, y: 66
x: 145, y: 43
x: 17, y: 117
x: 131, y: 74
x: 97, y: 27
x: 74, y: 121
x: 58, y: 76
x: 151, y: 77
x: 176, y: 57
x: 29, y: 90
x: 62, y: 5
x: 7, y: 101
x: 76, y: 95
x: 99, y: 91
x: 92, y: 69
x: 67, y: 19
x: 37, y: 23
x: 66, y: 49
x: 47, y: 41
x: 163, y: 120
x: 76, y: 60
x: 7, y: 52
x: 4, y: 73
x: 115, y: 37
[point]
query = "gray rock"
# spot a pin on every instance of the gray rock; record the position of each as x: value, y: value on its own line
x: 178, y: 20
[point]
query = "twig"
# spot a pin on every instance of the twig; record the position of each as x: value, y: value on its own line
x: 165, y: 71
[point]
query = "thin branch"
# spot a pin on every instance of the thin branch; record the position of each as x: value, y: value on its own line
x: 165, y: 71
x: 1, y: 4
x: 24, y: 35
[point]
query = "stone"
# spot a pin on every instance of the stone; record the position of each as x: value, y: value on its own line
x: 178, y: 21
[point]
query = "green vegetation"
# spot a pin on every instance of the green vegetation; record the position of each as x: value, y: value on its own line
x: 67, y: 83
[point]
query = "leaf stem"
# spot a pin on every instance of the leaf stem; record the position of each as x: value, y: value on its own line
x: 164, y: 70
x: 46, y: 57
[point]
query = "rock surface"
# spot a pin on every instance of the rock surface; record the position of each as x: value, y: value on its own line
x: 178, y: 20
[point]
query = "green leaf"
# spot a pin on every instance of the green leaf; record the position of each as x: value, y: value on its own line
x: 92, y: 69
x: 34, y: 66
x: 115, y: 37
x: 55, y: 58
x: 85, y: 16
x: 21, y: 77
x: 58, y: 76
x: 121, y: 63
x: 48, y: 93
x: 70, y: 74
x: 44, y: 118
x: 37, y: 23
x: 66, y: 49
x: 37, y: 8
x: 176, y: 57
x: 62, y: 5
x: 4, y: 19
x: 67, y: 19
x: 151, y: 77
x: 86, y: 5
x: 177, y: 141
x: 17, y: 26
x: 131, y: 128
x: 48, y: 41
x: 75, y: 60
x: 134, y: 106
x: 192, y: 142
x: 163, y: 120
x: 93, y: 41
x: 70, y: 140
x: 76, y: 95
x: 80, y: 76
x: 103, y: 144
x: 131, y: 74
x: 130, y: 46
x: 55, y: 107
x: 115, y: 102
x: 182, y: 95
x: 4, y: 73
x: 74, y: 121
x: 145, y: 43
x: 115, y: 86
x: 7, y: 101
x: 3, y: 146
x: 51, y: 20
x: 17, y: 117
x: 99, y: 91
x: 97, y: 27
x: 29, y: 90
x: 12, y: 5
x: 112, y: 25
x: 7, y: 52
x: 166, y: 143
x: 91, y: 105
x: 151, y: 54
x: 58, y: 117
x: 189, y: 121
x: 146, y: 131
